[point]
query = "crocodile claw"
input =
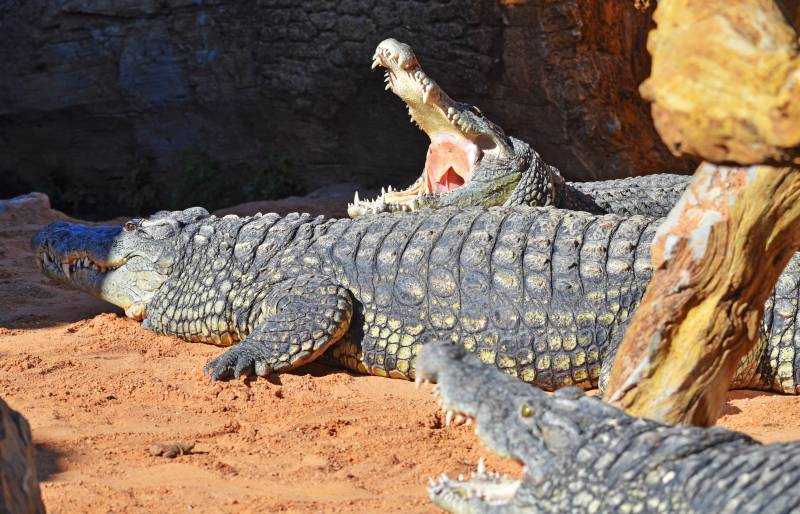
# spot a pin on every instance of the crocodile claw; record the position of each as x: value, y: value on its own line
x: 241, y: 360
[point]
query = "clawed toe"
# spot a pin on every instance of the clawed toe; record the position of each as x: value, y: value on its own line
x: 235, y: 363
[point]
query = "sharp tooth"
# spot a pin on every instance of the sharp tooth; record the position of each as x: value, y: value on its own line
x: 388, y: 87
x: 459, y: 419
x: 375, y: 62
x: 468, y: 422
x: 481, y: 466
x: 448, y: 418
x: 418, y: 382
x: 355, y: 198
x: 65, y: 268
x: 444, y: 478
x: 460, y: 477
x: 432, y: 482
x: 425, y: 93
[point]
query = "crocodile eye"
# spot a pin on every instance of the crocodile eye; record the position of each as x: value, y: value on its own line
x: 129, y: 226
x: 526, y: 411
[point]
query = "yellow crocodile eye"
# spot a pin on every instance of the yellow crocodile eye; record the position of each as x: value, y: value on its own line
x: 526, y: 411
x: 130, y: 226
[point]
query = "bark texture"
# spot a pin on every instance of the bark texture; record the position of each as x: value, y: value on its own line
x: 723, y: 87
x: 716, y: 259
x: 91, y: 89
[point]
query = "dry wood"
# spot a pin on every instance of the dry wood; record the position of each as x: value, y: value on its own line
x: 725, y: 86
x: 725, y: 80
x: 717, y: 257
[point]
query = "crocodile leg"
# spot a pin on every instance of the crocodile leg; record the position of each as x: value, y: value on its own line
x: 299, y: 319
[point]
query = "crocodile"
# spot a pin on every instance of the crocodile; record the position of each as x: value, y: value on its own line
x: 544, y: 294
x: 582, y: 455
x: 472, y: 162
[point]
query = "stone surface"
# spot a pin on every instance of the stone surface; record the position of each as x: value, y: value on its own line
x: 18, y: 483
x: 91, y: 89
x: 28, y: 208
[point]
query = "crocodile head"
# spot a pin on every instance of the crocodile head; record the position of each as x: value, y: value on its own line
x: 513, y: 419
x: 470, y: 160
x: 124, y: 265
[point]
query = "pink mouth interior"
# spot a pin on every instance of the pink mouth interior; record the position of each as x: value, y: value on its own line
x: 447, y: 167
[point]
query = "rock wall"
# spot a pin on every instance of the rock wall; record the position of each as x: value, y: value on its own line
x: 106, y: 96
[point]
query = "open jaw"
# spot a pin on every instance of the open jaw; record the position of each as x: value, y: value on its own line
x: 469, y: 391
x: 459, y: 133
x: 481, y: 489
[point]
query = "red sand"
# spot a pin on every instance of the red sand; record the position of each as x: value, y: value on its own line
x: 99, y: 390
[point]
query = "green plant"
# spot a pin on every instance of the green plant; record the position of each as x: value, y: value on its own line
x: 137, y: 193
x: 204, y: 181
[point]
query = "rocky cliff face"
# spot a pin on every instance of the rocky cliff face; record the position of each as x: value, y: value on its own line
x: 106, y: 96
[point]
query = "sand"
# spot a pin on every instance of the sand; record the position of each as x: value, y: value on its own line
x: 99, y: 390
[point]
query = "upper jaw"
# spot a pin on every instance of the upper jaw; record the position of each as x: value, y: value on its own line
x: 70, y: 252
x: 427, y: 103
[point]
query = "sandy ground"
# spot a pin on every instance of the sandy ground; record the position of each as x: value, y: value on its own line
x: 99, y: 390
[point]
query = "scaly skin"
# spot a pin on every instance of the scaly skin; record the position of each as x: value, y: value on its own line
x: 471, y: 162
x: 544, y: 294
x: 581, y: 455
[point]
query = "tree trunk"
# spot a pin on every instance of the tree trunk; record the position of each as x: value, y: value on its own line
x: 716, y: 259
x: 725, y: 87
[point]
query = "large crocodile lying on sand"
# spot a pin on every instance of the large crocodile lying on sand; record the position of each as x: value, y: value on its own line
x: 581, y: 455
x: 544, y: 294
x: 471, y: 161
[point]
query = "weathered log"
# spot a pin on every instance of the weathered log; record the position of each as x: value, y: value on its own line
x: 724, y: 87
x: 716, y: 259
x: 725, y: 80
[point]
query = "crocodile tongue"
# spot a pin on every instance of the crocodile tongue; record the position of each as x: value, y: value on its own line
x: 449, y: 163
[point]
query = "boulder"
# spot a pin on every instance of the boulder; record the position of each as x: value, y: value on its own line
x: 18, y: 482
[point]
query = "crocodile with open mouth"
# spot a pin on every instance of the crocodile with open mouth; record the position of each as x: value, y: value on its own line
x: 543, y: 294
x: 471, y: 161
x: 581, y: 455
